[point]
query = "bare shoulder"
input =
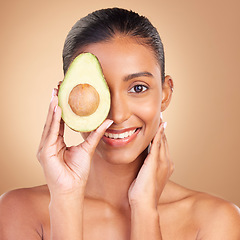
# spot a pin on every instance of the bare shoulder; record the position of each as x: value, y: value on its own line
x: 214, y: 217
x: 22, y: 211
x: 218, y: 218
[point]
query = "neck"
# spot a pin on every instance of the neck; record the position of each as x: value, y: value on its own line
x: 110, y: 182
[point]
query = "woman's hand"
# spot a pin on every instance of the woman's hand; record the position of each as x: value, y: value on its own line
x: 66, y: 169
x: 146, y: 189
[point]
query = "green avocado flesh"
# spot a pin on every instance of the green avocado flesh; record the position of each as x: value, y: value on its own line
x: 84, y: 95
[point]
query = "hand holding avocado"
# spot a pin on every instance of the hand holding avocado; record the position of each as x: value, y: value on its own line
x: 84, y: 101
x: 66, y: 168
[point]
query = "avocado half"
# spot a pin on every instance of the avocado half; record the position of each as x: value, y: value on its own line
x: 84, y: 96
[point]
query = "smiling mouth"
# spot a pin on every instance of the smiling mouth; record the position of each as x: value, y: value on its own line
x: 120, y: 138
x: 120, y: 135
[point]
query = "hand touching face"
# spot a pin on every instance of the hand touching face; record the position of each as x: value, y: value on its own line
x: 147, y: 188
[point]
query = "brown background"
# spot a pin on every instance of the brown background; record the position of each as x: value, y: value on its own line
x: 201, y: 41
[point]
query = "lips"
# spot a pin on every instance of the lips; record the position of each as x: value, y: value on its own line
x: 119, y: 135
x: 118, y: 138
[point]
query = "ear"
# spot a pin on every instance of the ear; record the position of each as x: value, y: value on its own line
x: 167, y: 90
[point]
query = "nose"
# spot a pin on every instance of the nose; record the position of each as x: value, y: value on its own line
x: 119, y: 110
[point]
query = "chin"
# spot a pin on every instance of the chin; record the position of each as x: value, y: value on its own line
x: 122, y: 156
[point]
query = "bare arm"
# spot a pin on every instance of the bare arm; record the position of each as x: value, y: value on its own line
x: 145, y: 224
x: 66, y: 218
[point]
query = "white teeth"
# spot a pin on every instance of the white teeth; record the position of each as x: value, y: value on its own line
x: 121, y: 135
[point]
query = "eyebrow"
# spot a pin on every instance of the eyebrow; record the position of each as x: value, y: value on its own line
x: 139, y: 74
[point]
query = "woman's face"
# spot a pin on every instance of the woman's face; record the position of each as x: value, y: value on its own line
x: 134, y: 79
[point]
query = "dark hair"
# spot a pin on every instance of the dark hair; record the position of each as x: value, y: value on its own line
x: 103, y: 25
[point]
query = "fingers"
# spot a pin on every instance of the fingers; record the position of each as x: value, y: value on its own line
x: 156, y: 143
x: 166, y: 165
x: 93, y: 139
x: 160, y: 152
x: 55, y: 130
x: 171, y: 165
x: 50, y: 115
x: 153, y: 156
x: 49, y: 118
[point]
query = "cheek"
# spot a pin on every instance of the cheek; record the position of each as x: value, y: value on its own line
x: 150, y: 109
x: 149, y: 113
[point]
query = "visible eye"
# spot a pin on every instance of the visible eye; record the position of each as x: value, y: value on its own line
x: 138, y: 89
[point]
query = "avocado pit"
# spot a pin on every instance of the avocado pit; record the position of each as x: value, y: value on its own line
x: 83, y: 99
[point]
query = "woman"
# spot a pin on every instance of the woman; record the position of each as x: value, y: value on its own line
x: 111, y: 188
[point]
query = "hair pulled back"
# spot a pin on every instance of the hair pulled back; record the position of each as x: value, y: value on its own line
x: 102, y: 25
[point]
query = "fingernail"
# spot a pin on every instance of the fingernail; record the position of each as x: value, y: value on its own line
x: 53, y: 93
x: 55, y: 109
x: 164, y: 125
x: 161, y: 115
x: 110, y: 123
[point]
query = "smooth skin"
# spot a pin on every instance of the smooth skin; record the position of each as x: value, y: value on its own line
x: 98, y: 190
